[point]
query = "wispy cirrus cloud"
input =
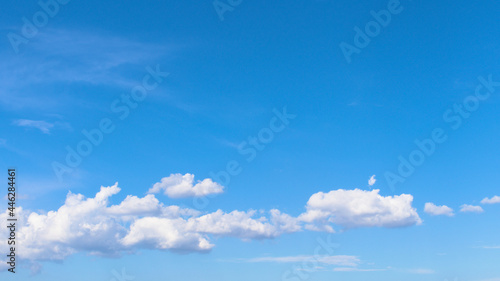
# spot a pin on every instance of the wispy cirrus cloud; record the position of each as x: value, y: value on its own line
x: 63, y: 57
x: 340, y: 260
x: 41, y: 125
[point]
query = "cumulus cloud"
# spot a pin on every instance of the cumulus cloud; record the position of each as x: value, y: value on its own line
x: 242, y: 224
x: 432, y: 209
x: 180, y: 186
x: 359, y: 208
x: 93, y: 226
x: 165, y: 233
x: 97, y: 227
x: 372, y: 180
x: 471, y: 209
x: 190, y: 234
x: 493, y: 200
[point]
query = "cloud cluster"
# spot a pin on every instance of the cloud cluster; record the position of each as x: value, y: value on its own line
x: 96, y: 227
x: 91, y: 225
x: 179, y: 186
x: 359, y: 208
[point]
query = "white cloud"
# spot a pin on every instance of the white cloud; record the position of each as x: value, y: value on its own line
x: 372, y: 180
x: 133, y: 205
x: 434, y: 210
x: 470, y: 208
x: 43, y: 126
x: 165, y: 233
x: 179, y: 186
x: 243, y: 225
x: 92, y: 226
x: 493, y: 200
x: 96, y: 227
x: 359, y: 208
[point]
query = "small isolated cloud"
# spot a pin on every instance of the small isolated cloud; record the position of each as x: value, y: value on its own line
x: 471, y: 209
x: 434, y: 210
x: 43, y: 126
x: 181, y: 186
x: 372, y: 180
x: 359, y: 208
x: 493, y: 200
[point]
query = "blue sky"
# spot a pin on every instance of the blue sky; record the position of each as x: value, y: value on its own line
x: 211, y: 79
